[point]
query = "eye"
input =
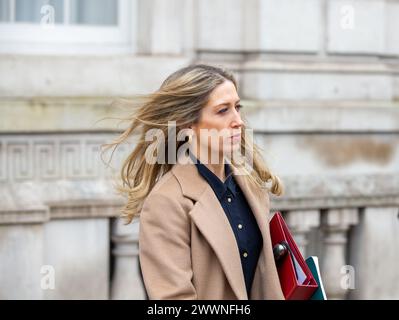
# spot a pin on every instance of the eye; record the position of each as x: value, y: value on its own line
x: 238, y: 107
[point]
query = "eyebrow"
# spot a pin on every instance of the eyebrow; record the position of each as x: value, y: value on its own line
x: 226, y: 103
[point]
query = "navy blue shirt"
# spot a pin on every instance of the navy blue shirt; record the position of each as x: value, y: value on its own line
x: 240, y: 216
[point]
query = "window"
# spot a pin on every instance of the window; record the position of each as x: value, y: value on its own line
x: 66, y: 26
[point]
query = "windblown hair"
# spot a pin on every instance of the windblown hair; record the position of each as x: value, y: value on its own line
x: 180, y: 98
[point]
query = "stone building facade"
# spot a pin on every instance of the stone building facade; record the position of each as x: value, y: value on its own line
x: 319, y: 80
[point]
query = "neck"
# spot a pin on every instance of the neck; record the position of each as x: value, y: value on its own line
x: 206, y: 159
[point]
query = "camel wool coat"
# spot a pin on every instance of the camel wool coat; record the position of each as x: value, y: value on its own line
x: 187, y: 249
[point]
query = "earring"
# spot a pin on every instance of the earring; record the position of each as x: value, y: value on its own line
x: 190, y: 138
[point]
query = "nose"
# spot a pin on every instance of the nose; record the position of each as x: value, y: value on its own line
x: 237, y: 121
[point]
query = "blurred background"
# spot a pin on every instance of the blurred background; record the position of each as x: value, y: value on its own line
x: 319, y: 81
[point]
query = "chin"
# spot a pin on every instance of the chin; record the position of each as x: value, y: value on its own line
x: 233, y: 149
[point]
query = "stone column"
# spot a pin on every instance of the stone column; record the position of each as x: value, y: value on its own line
x: 335, y: 224
x: 300, y: 223
x: 126, y: 280
x: 374, y: 253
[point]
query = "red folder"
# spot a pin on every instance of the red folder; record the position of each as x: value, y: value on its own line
x: 296, y: 279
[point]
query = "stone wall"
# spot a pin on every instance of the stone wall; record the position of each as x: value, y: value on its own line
x: 320, y: 85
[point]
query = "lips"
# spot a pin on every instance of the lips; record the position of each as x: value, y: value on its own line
x: 235, y: 138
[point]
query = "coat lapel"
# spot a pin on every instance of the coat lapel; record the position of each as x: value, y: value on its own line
x: 260, y: 209
x: 266, y: 283
x: 210, y: 218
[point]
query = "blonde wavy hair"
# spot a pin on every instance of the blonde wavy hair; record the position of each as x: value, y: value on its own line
x: 180, y: 98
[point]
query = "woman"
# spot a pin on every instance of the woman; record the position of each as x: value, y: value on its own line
x: 204, y: 231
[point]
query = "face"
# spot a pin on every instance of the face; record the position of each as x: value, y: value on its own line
x: 219, y: 128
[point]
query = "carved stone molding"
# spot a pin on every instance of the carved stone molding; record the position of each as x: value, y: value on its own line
x: 54, y: 157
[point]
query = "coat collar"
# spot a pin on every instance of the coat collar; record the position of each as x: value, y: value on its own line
x: 211, y: 220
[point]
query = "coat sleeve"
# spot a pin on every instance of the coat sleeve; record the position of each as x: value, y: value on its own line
x: 164, y: 249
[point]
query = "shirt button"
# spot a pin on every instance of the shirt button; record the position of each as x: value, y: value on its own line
x: 245, y: 254
x: 229, y: 199
x: 240, y: 226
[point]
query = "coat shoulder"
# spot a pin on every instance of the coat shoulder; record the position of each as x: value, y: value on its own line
x: 169, y: 189
x: 167, y: 184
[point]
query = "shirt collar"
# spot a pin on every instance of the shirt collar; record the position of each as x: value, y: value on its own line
x: 216, y: 184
